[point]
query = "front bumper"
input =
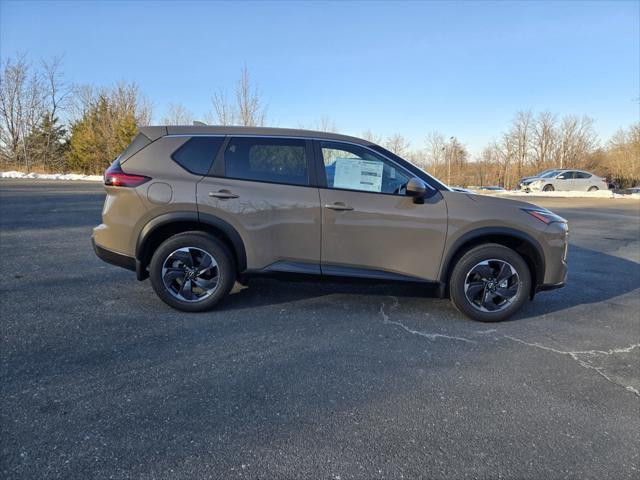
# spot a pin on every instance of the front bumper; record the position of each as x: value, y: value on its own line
x: 556, y: 250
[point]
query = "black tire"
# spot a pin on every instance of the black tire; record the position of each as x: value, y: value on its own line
x: 548, y: 188
x: 593, y: 189
x: 499, y: 255
x: 199, y: 242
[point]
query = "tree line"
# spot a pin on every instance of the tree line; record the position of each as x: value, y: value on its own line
x: 50, y: 125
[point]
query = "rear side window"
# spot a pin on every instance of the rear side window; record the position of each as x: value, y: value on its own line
x: 198, y: 153
x: 267, y: 160
x: 137, y: 144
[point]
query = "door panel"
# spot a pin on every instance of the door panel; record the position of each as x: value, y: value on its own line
x: 276, y: 222
x: 382, y: 232
x: 565, y: 184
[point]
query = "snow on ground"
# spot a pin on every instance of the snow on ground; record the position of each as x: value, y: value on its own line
x: 596, y: 194
x: 52, y: 176
x: 519, y: 193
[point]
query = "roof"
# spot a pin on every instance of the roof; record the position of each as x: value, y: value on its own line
x: 155, y: 132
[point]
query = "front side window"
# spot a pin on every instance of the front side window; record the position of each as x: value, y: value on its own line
x: 198, y: 153
x: 267, y: 160
x: 352, y: 167
x: 566, y: 175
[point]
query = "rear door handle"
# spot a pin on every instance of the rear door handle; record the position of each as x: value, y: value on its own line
x: 223, y: 194
x: 341, y: 207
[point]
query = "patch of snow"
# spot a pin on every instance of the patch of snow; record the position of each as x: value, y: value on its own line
x: 52, y: 176
x: 567, y: 194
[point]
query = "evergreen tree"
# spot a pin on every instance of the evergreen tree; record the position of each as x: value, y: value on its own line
x: 47, y: 144
x: 102, y: 133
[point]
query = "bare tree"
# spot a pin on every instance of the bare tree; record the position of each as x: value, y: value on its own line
x: 57, y: 95
x: 224, y: 111
x: 506, y: 152
x: 249, y: 109
x: 520, y: 137
x: 577, y: 140
x: 372, y: 137
x: 435, y: 149
x: 177, y: 114
x: 543, y: 139
x: 622, y: 160
x: 22, y: 105
x: 397, y: 144
x: 325, y: 124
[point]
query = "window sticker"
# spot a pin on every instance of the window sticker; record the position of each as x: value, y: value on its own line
x: 357, y: 174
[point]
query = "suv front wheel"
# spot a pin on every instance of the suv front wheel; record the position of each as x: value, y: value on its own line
x: 192, y: 271
x: 490, y: 283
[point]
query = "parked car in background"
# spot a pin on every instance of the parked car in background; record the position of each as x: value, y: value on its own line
x: 544, y: 172
x: 492, y: 189
x: 197, y: 208
x: 526, y: 181
x: 568, y: 180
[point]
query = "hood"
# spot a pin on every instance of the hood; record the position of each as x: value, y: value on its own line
x: 529, y: 180
x: 499, y: 202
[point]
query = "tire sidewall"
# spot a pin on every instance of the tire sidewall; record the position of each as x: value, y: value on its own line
x: 208, y: 243
x: 472, y: 258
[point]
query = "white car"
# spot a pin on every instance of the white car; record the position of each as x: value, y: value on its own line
x: 567, y: 180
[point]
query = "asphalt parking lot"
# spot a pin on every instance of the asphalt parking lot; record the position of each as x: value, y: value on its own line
x: 305, y: 380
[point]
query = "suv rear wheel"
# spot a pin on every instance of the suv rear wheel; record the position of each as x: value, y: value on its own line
x: 192, y: 271
x: 490, y: 283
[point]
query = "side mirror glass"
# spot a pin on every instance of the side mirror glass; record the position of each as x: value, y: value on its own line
x: 416, y: 188
x: 560, y: 177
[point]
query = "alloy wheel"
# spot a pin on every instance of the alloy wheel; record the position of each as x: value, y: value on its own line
x: 190, y: 274
x: 492, y: 285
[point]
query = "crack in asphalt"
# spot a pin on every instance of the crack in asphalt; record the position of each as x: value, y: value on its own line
x: 430, y: 336
x: 573, y: 354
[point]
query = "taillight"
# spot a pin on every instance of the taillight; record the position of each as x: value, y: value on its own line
x: 115, y: 177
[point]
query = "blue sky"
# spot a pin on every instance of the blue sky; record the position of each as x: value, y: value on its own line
x: 461, y: 68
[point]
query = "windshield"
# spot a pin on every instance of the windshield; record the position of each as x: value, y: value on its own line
x: 419, y: 172
x: 548, y: 174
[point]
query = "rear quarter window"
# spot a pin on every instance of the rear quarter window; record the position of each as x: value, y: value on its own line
x: 197, y: 155
x: 137, y: 144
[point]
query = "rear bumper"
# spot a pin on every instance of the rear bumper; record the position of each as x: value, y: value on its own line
x: 114, y: 258
x: 120, y: 260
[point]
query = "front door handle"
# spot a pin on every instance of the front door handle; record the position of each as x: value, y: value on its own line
x: 341, y: 207
x: 223, y: 194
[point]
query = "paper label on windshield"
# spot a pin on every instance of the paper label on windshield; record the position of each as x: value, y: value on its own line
x: 356, y: 174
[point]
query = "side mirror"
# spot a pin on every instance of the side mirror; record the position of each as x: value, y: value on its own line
x: 560, y: 177
x: 417, y: 189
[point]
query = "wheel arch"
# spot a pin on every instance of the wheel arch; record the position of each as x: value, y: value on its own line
x: 164, y: 226
x: 521, y: 242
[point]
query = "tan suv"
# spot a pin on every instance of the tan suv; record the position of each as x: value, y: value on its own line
x: 196, y: 208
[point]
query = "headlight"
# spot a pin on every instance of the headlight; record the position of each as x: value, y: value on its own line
x: 544, y: 215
